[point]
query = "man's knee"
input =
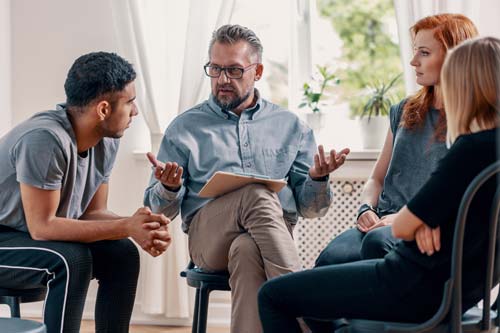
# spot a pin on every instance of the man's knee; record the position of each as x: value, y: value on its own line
x: 116, y: 256
x: 244, y: 246
x: 126, y: 253
x: 70, y: 263
x: 123, y: 250
x: 244, y: 255
x: 75, y: 257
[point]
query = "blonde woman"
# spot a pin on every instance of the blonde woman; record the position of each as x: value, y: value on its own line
x: 407, y: 284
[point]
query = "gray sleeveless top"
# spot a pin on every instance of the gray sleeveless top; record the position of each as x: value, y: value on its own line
x: 415, y: 154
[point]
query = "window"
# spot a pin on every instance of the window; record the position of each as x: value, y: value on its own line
x: 355, y: 38
x: 270, y: 22
x: 358, y: 40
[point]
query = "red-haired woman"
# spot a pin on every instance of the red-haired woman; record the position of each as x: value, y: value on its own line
x: 412, y: 149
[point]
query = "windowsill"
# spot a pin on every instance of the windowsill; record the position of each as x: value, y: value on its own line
x: 140, y: 155
x: 363, y: 155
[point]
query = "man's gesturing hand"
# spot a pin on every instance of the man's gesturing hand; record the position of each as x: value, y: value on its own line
x: 169, y: 173
x: 323, y: 165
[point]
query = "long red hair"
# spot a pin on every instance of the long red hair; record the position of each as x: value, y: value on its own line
x: 449, y: 30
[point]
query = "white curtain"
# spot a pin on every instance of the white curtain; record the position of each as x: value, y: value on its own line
x: 5, y: 67
x: 300, y: 59
x: 410, y: 11
x: 167, y: 41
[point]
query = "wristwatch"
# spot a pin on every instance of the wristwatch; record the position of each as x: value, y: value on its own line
x: 364, y: 207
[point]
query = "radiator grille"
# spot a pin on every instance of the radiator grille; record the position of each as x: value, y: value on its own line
x: 312, y: 235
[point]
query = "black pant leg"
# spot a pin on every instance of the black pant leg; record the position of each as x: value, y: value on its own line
x: 343, y: 248
x: 352, y: 290
x: 64, y: 268
x: 116, y: 267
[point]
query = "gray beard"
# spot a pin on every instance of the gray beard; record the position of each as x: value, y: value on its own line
x: 228, y: 106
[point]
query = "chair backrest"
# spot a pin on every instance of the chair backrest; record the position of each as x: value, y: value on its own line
x: 452, y: 296
x: 457, y: 252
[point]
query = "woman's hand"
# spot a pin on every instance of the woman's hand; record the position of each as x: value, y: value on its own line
x: 428, y: 240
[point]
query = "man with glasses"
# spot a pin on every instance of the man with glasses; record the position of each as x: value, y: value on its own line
x: 248, y: 231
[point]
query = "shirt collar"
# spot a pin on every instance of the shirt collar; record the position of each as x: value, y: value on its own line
x: 246, y: 114
x: 64, y: 120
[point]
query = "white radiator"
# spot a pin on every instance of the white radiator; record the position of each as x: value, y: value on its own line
x: 312, y: 235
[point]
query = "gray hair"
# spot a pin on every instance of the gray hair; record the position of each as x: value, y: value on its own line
x: 233, y: 33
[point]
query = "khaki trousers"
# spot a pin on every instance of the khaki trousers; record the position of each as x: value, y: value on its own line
x: 245, y: 233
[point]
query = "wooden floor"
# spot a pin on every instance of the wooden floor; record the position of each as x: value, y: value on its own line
x: 88, y: 327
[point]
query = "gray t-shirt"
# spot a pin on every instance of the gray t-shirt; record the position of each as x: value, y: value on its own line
x: 42, y: 152
x: 415, y: 154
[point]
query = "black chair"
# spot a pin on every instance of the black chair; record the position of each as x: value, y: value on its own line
x: 13, y: 297
x: 449, y: 316
x: 204, y: 283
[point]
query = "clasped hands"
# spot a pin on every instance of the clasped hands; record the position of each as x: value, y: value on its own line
x: 150, y: 231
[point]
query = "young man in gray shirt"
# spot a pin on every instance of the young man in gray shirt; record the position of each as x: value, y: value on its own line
x: 55, y: 228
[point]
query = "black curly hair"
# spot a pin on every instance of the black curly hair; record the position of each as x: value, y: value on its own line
x: 95, y: 74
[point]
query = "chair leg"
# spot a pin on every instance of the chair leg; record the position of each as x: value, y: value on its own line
x: 194, y: 329
x: 13, y: 303
x: 203, y: 308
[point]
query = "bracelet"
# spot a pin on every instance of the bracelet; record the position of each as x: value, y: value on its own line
x: 321, y: 179
x: 365, y: 207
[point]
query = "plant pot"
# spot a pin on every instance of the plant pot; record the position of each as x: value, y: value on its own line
x: 315, y: 120
x: 373, y: 131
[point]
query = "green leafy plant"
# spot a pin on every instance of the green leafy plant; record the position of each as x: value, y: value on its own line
x: 370, y: 48
x: 379, y: 99
x: 311, y: 96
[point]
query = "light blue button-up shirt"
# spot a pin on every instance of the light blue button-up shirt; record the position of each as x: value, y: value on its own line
x: 266, y: 139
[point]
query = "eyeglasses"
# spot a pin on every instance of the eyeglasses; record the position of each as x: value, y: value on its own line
x: 231, y: 72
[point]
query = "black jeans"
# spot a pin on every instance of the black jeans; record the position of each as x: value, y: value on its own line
x: 352, y: 290
x: 66, y: 269
x: 353, y: 245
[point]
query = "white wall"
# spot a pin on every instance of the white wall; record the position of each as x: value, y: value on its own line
x: 489, y: 12
x: 5, y: 67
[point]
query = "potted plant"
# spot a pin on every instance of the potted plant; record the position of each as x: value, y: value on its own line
x: 373, y: 117
x: 314, y: 92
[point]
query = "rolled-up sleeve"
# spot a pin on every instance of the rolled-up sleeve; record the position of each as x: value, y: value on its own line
x: 156, y: 196
x: 313, y: 197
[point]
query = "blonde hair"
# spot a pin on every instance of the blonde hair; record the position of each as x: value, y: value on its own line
x: 470, y: 79
x: 449, y: 30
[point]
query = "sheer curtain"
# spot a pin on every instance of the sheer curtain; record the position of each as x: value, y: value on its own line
x: 410, y: 11
x: 5, y: 67
x: 300, y: 59
x: 167, y: 41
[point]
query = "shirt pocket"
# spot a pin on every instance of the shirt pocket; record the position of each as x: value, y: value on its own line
x: 278, y: 161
